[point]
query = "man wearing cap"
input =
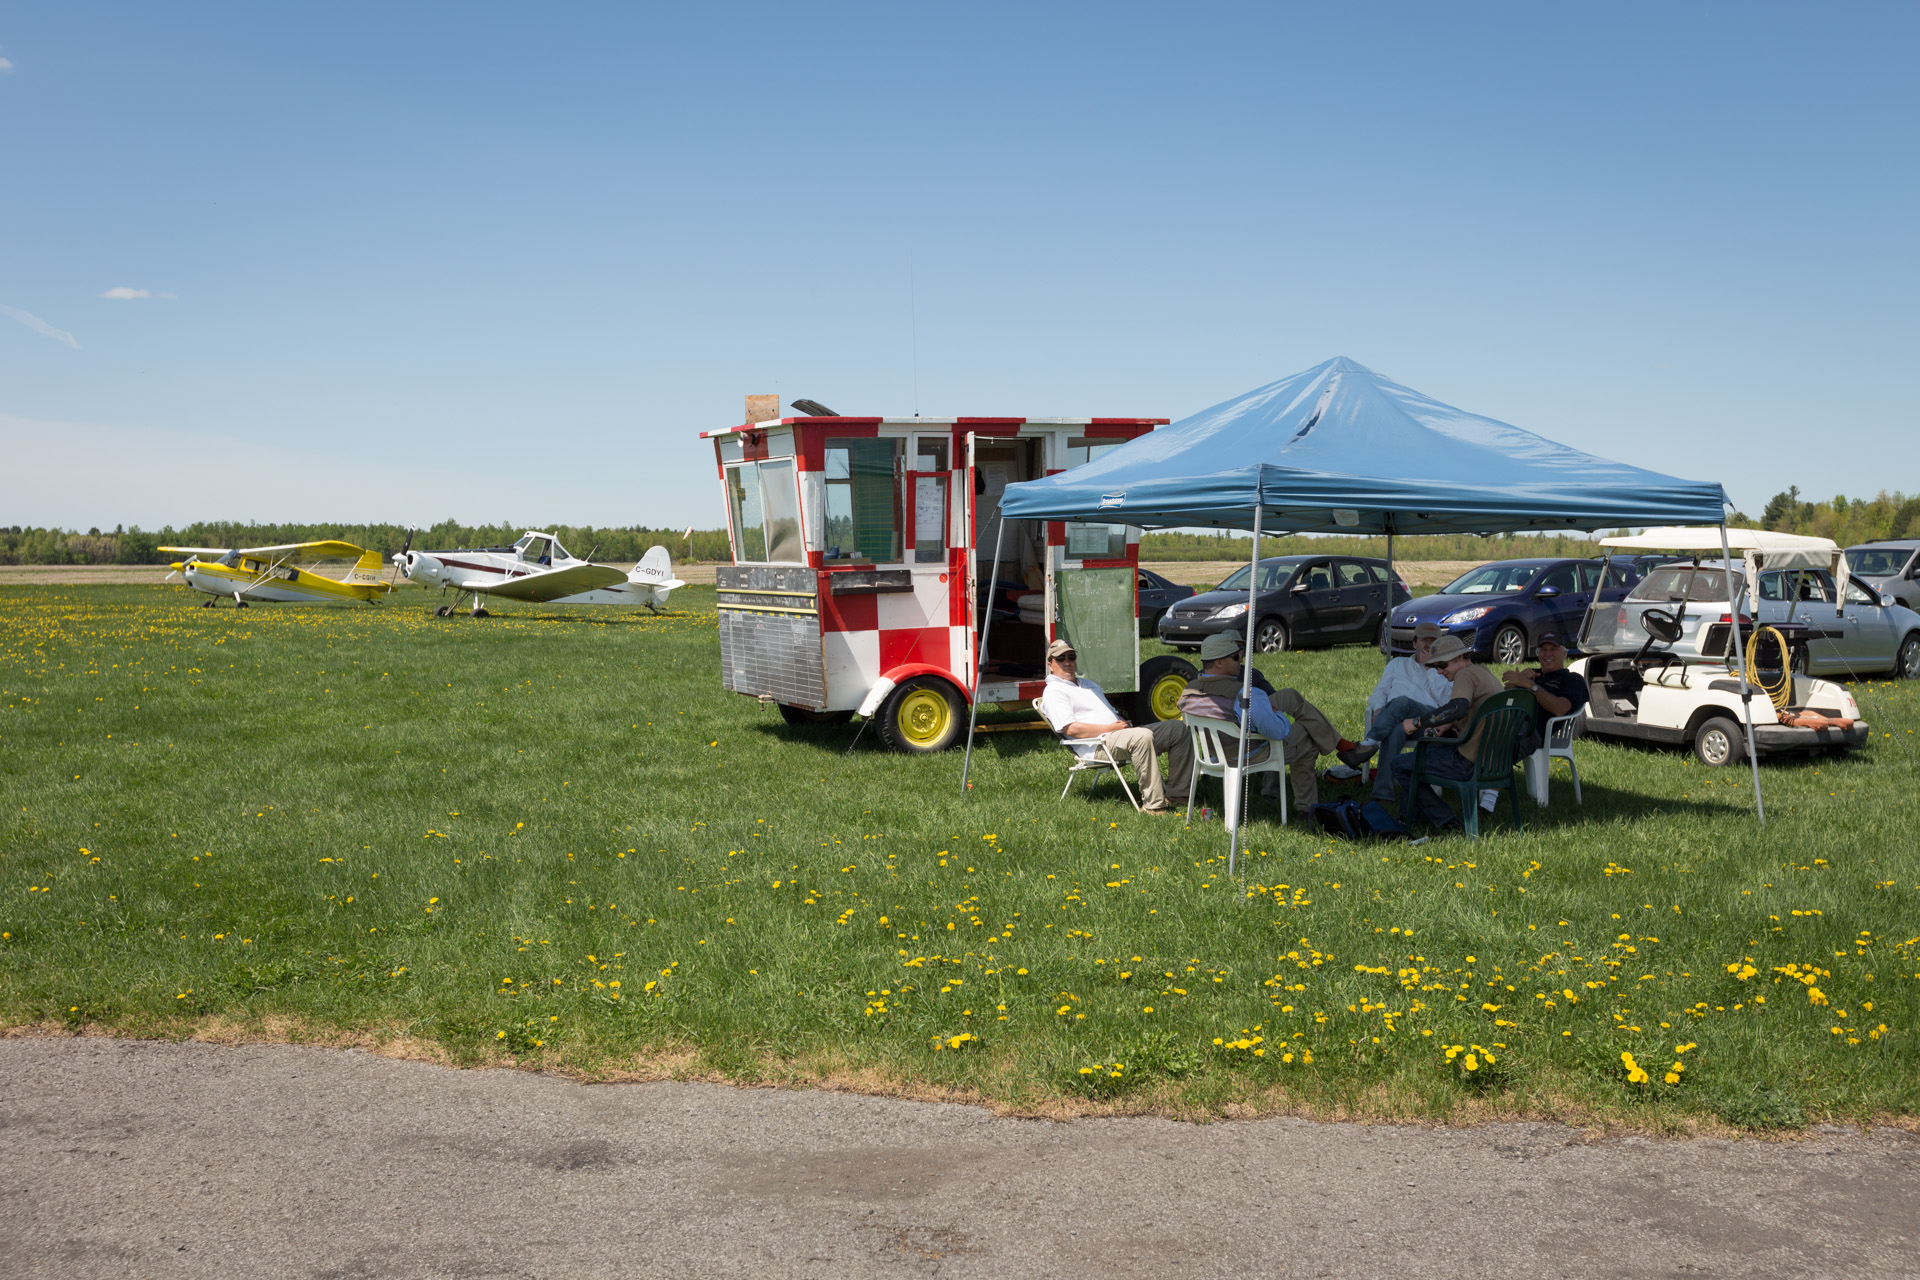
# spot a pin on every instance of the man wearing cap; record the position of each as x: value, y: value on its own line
x: 1279, y: 715
x: 1556, y: 690
x: 1078, y: 709
x: 1408, y: 688
x: 1472, y: 685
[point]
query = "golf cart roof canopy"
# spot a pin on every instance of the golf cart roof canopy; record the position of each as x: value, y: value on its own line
x: 1758, y: 548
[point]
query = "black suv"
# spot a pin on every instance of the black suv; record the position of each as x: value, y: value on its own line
x: 1890, y: 566
x: 1298, y: 601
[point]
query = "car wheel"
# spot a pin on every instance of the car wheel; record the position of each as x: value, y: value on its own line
x: 802, y: 718
x: 1270, y: 636
x: 1800, y: 660
x: 1907, y: 664
x: 1717, y: 743
x: 1510, y: 645
x: 922, y: 716
x: 1162, y: 681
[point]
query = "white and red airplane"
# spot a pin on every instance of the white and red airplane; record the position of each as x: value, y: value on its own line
x: 538, y: 568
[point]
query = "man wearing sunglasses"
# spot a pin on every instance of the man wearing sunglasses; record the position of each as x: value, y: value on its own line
x: 1078, y: 709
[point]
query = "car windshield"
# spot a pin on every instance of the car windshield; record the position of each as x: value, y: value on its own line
x: 1683, y: 582
x: 1272, y: 576
x: 1877, y: 563
x: 1491, y: 580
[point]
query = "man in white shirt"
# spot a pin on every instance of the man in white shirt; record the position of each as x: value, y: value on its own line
x: 1408, y: 689
x: 1078, y: 709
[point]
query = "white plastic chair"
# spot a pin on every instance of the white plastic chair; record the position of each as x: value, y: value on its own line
x: 1558, y: 745
x: 1216, y: 745
x: 1102, y: 758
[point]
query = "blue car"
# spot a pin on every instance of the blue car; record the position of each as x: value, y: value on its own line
x: 1501, y: 609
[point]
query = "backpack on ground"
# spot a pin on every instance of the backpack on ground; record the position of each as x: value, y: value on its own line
x: 1351, y: 820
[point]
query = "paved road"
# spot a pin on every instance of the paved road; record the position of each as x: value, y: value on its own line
x: 124, y: 1159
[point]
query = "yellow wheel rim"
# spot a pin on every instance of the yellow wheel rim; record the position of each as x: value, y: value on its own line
x: 1165, y: 698
x: 925, y: 717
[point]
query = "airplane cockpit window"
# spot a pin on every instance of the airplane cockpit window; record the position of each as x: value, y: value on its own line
x: 537, y: 551
x: 230, y: 559
x: 559, y: 552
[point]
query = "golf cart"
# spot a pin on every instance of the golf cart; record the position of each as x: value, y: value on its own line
x: 1681, y: 683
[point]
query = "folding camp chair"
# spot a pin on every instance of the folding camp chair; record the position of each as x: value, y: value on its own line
x: 1216, y: 745
x: 1102, y: 758
x: 1500, y: 721
x: 1558, y: 746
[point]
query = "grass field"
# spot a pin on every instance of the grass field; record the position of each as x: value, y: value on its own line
x: 551, y: 838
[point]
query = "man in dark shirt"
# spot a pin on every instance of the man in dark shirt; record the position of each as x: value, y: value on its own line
x: 1556, y: 690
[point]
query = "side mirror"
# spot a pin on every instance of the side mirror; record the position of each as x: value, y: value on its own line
x: 1547, y: 592
x: 1299, y: 586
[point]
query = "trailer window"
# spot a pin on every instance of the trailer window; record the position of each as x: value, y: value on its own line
x: 743, y: 504
x: 782, y: 504
x: 863, y: 500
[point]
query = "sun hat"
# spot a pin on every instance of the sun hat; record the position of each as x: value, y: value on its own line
x: 1060, y: 649
x: 1445, y: 650
x: 1222, y: 644
x: 1428, y: 631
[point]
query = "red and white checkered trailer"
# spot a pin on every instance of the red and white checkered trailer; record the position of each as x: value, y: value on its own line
x: 864, y: 565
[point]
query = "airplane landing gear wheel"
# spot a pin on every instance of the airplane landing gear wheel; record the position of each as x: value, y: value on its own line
x: 924, y: 715
x: 481, y: 613
x: 442, y: 612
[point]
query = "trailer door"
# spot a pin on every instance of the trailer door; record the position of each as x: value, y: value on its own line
x: 1097, y: 617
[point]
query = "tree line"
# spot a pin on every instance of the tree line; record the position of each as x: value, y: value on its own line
x: 137, y: 546
x: 1846, y: 521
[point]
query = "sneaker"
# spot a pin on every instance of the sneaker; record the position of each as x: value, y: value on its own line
x: 1489, y: 798
x: 1342, y: 773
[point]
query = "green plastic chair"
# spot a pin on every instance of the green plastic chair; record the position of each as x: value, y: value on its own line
x: 1502, y: 721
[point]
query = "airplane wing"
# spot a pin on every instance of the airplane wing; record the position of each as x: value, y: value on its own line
x: 551, y: 585
x: 316, y: 550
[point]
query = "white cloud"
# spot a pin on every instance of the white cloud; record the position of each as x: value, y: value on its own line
x: 122, y: 293
x: 38, y: 325
x: 5, y: 66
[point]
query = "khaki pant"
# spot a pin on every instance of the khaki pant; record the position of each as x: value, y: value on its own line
x: 1313, y: 736
x: 1142, y: 747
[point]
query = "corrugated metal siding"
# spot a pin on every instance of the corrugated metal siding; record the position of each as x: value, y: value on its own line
x: 770, y: 634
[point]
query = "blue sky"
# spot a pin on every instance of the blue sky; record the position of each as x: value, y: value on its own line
x: 505, y: 262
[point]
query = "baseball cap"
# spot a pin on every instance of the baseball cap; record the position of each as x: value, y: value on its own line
x: 1222, y: 644
x: 1445, y: 650
x: 1059, y: 649
x: 1549, y: 637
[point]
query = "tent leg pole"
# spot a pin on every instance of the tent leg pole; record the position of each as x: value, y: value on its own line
x: 980, y: 654
x: 1740, y: 665
x: 1246, y: 698
x: 1386, y: 634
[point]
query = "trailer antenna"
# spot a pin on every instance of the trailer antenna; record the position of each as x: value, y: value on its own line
x: 913, y: 329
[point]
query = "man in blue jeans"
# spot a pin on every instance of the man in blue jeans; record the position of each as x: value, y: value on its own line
x: 1472, y: 685
x: 1407, y: 688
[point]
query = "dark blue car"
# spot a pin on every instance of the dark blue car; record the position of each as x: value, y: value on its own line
x: 1501, y: 609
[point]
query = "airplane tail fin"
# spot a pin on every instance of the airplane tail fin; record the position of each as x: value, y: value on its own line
x: 366, y: 570
x: 656, y: 570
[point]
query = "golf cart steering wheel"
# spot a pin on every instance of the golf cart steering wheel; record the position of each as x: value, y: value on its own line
x: 1660, y: 625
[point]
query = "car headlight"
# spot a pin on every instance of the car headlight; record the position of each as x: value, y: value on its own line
x: 1230, y: 611
x: 1468, y: 615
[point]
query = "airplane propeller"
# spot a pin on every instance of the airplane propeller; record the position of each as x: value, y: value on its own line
x: 400, y: 561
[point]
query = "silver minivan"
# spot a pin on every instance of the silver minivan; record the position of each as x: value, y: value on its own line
x: 1890, y: 566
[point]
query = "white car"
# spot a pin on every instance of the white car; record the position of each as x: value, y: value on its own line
x: 1867, y: 635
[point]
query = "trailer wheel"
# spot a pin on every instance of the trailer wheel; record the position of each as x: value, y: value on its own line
x: 1162, y: 681
x: 802, y: 718
x: 924, y: 715
x: 1717, y: 743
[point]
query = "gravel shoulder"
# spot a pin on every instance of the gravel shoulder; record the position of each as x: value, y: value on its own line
x: 184, y: 1160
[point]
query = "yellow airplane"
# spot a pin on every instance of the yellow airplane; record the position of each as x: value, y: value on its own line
x: 268, y: 573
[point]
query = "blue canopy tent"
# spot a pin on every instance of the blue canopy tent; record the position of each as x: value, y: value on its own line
x: 1340, y: 449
